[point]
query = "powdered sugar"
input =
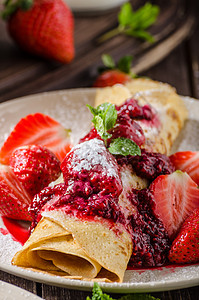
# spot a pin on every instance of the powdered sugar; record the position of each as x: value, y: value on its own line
x: 93, y: 153
x: 9, y: 247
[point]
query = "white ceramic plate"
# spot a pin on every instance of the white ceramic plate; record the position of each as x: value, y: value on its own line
x: 11, y: 292
x: 68, y: 107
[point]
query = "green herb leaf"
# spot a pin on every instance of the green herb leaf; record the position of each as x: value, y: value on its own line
x: 97, y: 294
x: 125, y: 14
x: 134, y: 23
x: 110, y: 117
x: 105, y: 116
x: 108, y: 61
x: 124, y: 64
x: 124, y: 146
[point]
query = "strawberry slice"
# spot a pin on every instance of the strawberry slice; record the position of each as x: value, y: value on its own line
x: 187, y: 161
x: 175, y: 195
x: 185, y: 248
x: 14, y: 200
x: 37, y: 129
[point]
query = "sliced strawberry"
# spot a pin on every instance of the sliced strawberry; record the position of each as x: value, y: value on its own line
x: 35, y: 167
x: 175, y: 195
x: 37, y: 129
x: 185, y: 248
x: 187, y: 161
x: 14, y: 200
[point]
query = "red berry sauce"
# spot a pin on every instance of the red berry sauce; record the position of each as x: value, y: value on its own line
x: 145, y: 113
x: 148, y: 165
x: 38, y: 202
x: 150, y: 239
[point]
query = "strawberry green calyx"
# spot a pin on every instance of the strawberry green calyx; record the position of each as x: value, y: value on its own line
x: 11, y: 6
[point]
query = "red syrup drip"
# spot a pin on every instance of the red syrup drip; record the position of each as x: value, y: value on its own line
x: 18, y: 230
x: 171, y: 267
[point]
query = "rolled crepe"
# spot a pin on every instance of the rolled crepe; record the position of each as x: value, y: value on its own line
x: 169, y: 105
x: 75, y: 248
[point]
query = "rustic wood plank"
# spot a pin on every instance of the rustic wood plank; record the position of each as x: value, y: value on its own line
x: 32, y: 75
x: 193, y: 52
x: 173, y: 70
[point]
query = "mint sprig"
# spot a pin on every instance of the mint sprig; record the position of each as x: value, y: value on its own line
x: 97, y: 294
x: 134, y: 23
x: 105, y: 117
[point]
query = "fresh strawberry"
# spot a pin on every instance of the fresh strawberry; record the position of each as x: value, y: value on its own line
x: 45, y: 29
x: 37, y: 129
x: 14, y: 200
x: 114, y: 73
x: 185, y: 248
x: 175, y: 196
x: 187, y: 161
x: 35, y: 167
x: 111, y: 77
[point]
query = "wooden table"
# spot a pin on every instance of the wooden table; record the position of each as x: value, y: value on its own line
x: 173, y: 59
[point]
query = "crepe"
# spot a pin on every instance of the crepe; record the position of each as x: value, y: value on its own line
x: 168, y: 104
x: 75, y: 248
x: 82, y: 246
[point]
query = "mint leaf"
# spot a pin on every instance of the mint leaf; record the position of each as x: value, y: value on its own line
x: 99, y: 125
x: 105, y: 116
x: 108, y: 61
x: 124, y: 146
x: 125, y: 14
x: 97, y: 294
x: 110, y: 117
x: 124, y: 64
x: 92, y: 109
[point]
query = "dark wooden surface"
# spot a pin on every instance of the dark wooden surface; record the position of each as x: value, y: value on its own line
x: 177, y: 55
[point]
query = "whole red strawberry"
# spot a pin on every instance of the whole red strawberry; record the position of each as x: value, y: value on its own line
x: 114, y: 73
x: 110, y: 78
x: 14, y: 200
x: 35, y: 167
x: 185, y: 248
x: 45, y: 29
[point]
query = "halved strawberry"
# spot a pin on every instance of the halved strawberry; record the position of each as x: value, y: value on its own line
x: 175, y: 197
x: 187, y: 161
x: 37, y: 129
x: 185, y: 248
x: 14, y: 200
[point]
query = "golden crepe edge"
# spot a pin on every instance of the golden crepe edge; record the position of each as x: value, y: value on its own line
x: 87, y: 250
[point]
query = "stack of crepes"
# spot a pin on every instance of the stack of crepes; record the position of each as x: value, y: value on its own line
x: 72, y: 244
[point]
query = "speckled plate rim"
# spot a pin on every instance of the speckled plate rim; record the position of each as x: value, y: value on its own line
x: 55, y: 103
x: 14, y: 292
